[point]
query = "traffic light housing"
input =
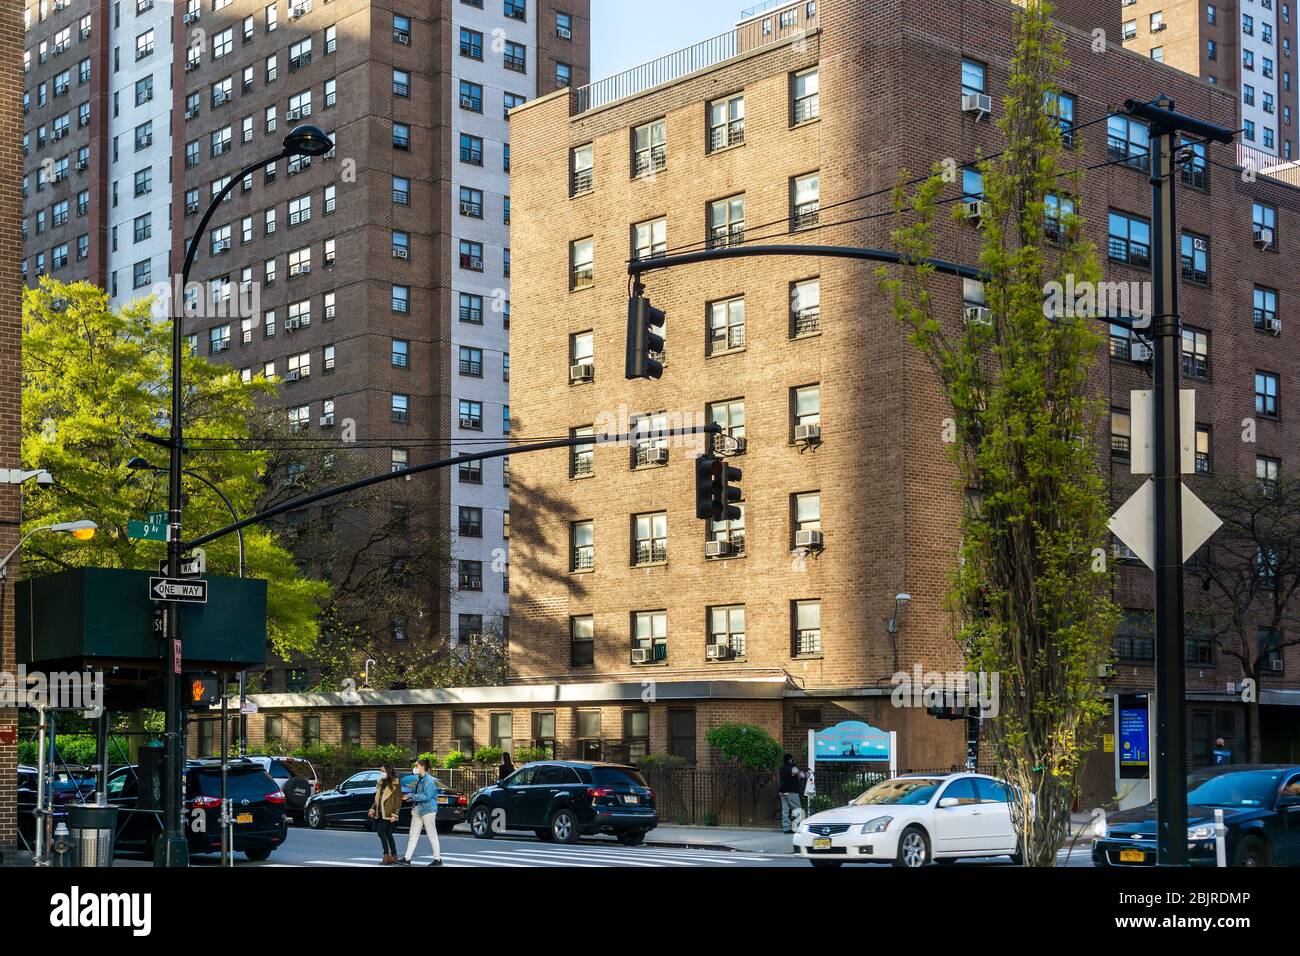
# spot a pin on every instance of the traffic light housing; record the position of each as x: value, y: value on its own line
x: 204, y: 689
x: 642, y: 341
x: 716, y: 492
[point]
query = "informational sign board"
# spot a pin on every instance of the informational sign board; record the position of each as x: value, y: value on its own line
x: 1134, y: 737
x: 852, y: 741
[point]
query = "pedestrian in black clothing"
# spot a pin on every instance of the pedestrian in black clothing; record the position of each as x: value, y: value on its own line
x: 790, y: 787
x: 507, y: 766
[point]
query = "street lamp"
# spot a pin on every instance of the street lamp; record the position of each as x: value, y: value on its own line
x: 173, y: 849
x: 891, y: 625
x: 82, y: 530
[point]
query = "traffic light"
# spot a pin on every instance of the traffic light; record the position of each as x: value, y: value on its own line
x: 715, y: 489
x: 204, y: 690
x: 642, y: 341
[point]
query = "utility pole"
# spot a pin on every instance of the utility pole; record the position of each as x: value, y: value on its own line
x: 1165, y: 126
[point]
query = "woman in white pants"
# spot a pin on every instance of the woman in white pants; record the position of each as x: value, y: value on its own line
x: 424, y: 813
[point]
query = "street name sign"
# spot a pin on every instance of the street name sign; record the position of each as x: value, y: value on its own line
x: 182, y: 590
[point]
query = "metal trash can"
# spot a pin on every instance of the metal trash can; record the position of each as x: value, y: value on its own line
x: 92, y: 831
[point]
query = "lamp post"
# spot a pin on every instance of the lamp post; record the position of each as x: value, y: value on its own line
x: 82, y: 530
x: 172, y: 849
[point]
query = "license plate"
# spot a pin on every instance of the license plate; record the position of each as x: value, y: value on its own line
x: 822, y: 843
x: 443, y: 801
x: 1132, y: 856
x: 244, y: 818
x: 631, y: 798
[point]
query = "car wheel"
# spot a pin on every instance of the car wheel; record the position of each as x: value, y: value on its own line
x: 445, y: 826
x: 913, y: 849
x: 564, y: 827
x: 315, y: 817
x: 826, y: 864
x: 480, y: 823
x: 632, y: 838
x: 1251, y: 851
x: 258, y: 855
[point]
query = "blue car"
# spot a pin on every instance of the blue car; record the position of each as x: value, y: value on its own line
x: 1261, y: 813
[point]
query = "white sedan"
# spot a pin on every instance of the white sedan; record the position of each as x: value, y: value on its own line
x: 912, y: 820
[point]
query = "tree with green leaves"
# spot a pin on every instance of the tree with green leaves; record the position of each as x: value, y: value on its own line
x: 1250, y: 570
x: 95, y: 383
x: 1032, y: 591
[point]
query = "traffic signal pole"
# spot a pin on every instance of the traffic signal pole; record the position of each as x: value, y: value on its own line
x: 1165, y: 126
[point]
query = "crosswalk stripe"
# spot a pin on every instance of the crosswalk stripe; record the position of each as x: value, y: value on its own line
x: 611, y: 859
x: 476, y: 861
x: 539, y: 859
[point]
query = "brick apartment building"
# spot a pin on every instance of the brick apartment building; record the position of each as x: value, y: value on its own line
x: 632, y: 632
x: 1246, y: 45
x: 381, y: 272
x: 11, y: 166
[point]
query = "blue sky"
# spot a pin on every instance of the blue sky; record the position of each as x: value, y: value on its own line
x: 625, y: 33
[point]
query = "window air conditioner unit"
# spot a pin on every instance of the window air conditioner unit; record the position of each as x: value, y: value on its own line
x: 467, y: 102
x: 1273, y: 324
x: 1158, y: 27
x: 812, y: 540
x: 82, y: 164
x: 808, y: 434
x: 717, y: 549
x: 981, y: 104
x: 292, y: 324
x: 220, y: 346
x: 292, y: 115
x: 1105, y: 671
x: 292, y: 375
x: 402, y: 38
x: 977, y: 315
x: 1275, y: 664
x: 1139, y: 352
x: 326, y: 421
x: 656, y: 456
x: 974, y: 208
x: 223, y: 245
x: 640, y: 655
x: 581, y: 373
x: 296, y: 12
x: 717, y: 652
x: 191, y: 18
x: 191, y: 66
x: 192, y: 112
x: 564, y: 33
x: 400, y: 253
x: 1263, y: 237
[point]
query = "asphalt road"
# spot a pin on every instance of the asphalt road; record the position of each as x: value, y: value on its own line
x: 357, y: 848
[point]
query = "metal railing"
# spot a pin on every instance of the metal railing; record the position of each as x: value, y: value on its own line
x: 807, y: 320
x: 665, y: 69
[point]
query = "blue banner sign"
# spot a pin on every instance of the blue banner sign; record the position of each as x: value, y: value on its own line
x: 1134, y: 737
x: 852, y: 741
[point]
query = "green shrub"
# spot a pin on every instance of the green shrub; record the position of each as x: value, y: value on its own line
x: 454, y: 759
x: 432, y: 758
x: 324, y: 754
x: 710, y: 818
x: 745, y: 745
x: 488, y: 756
x: 661, y: 762
x: 27, y: 752
x: 529, y: 754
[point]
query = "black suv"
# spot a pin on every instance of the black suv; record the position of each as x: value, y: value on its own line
x: 563, y: 800
x: 256, y: 802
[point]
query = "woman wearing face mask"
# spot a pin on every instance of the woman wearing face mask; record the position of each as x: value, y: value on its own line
x: 424, y: 814
x: 388, y: 803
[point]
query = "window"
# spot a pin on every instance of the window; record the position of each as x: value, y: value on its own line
x: 1270, y: 648
x: 583, y: 173
x: 471, y: 44
x: 401, y: 245
x: 1267, y: 471
x: 650, y: 636
x: 805, y: 200
x: 806, y: 618
x: 470, y: 577
x: 805, y: 96
x: 471, y: 96
x: 1266, y: 397
x: 649, y: 148
x: 400, y: 354
x: 581, y: 264
x: 1121, y: 436
x: 471, y: 415
x: 471, y: 522
x: 401, y: 191
x: 563, y: 75
x: 471, y: 255
x: 471, y: 308
x: 650, y: 538
x: 582, y: 535
x: 582, y: 348
x: 582, y: 633
x: 805, y: 308
x: 807, y: 511
x: 727, y: 629
x: 1128, y: 142
x: 726, y: 221
x: 515, y: 57
x: 582, y: 458
x: 1129, y: 239
x: 1196, y: 258
x: 726, y: 122
x: 471, y: 361
x: 401, y: 83
x: 1202, y: 449
x: 972, y: 77
x: 1196, y: 353
x: 1265, y: 314
x: 471, y: 149
x: 726, y: 325
x: 471, y: 202
x: 564, y: 26
x: 1195, y: 170
x: 650, y: 239
x: 731, y: 416
x: 805, y: 405
x: 650, y: 446
x: 401, y: 136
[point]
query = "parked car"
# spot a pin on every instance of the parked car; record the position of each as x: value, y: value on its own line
x: 1261, y: 813
x: 915, y: 819
x: 256, y: 801
x: 563, y: 800
x: 296, y: 778
x: 349, y: 802
x: 67, y: 786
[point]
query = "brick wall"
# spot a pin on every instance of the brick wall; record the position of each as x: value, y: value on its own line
x: 11, y: 252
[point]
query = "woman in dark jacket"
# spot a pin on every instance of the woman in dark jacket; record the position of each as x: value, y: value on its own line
x: 384, y: 811
x: 507, y: 766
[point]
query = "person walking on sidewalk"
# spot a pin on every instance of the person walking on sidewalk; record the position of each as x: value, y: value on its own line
x: 424, y: 814
x: 507, y: 767
x: 790, y: 787
x: 384, y: 811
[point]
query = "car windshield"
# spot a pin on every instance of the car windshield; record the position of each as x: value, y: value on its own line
x: 1237, y: 788
x: 240, y: 784
x: 616, y: 777
x: 299, y: 768
x: 906, y: 791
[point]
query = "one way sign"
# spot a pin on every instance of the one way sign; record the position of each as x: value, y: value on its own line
x: 174, y: 589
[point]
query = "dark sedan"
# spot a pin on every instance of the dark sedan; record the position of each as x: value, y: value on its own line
x: 1261, y: 813
x: 349, y: 803
x: 563, y: 800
